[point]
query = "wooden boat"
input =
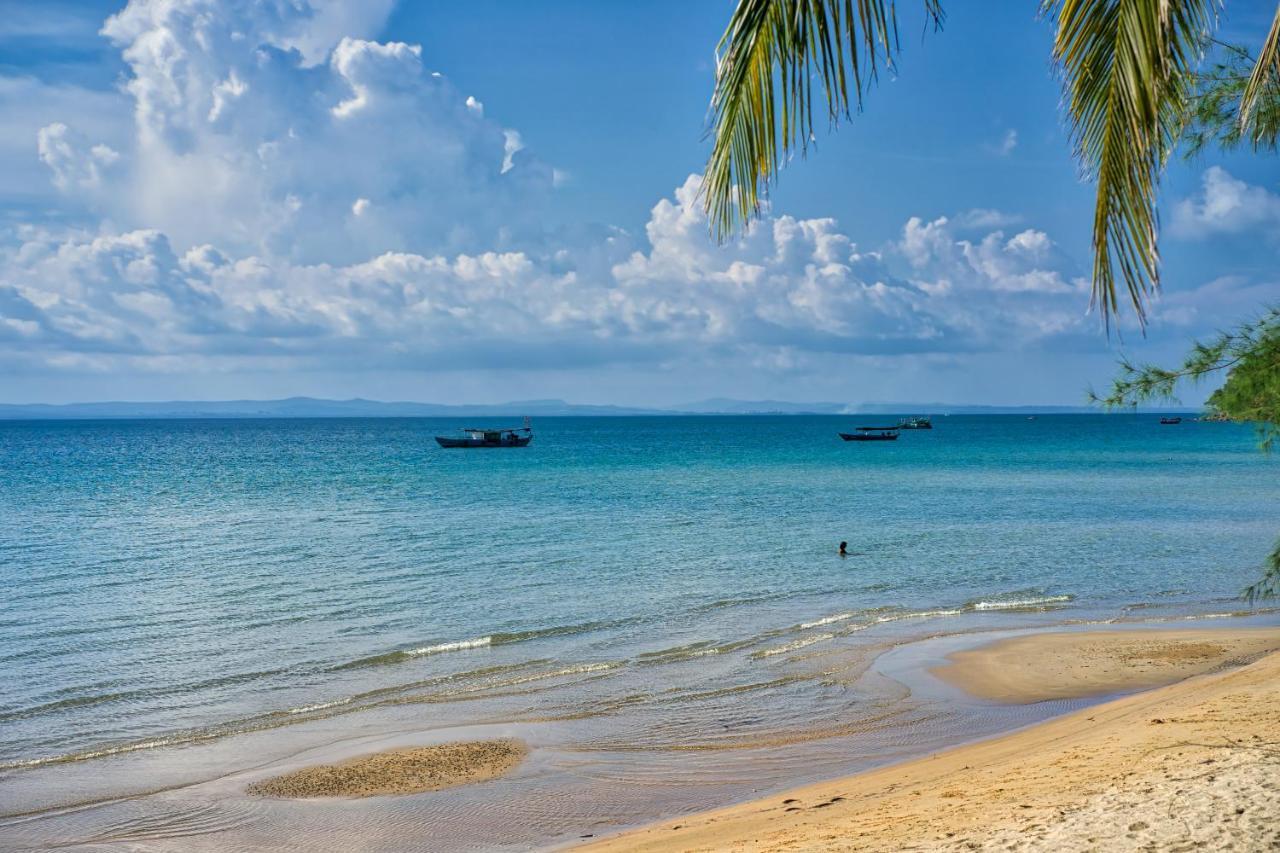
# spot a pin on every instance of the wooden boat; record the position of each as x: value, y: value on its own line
x: 1171, y: 420
x: 474, y: 437
x: 918, y: 422
x: 866, y: 433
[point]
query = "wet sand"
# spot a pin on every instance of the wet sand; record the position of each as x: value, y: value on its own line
x: 1190, y: 764
x: 1073, y: 665
x: 400, y: 771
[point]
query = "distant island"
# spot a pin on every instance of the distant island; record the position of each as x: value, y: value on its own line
x: 311, y: 407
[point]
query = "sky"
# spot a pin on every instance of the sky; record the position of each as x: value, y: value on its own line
x: 492, y: 201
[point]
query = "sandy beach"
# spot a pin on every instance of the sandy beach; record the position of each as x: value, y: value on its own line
x: 1195, y: 763
x: 1072, y: 665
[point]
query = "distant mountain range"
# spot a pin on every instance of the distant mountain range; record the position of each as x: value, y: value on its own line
x: 310, y: 407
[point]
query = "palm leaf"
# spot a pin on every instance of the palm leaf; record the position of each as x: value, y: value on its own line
x: 1265, y: 78
x: 763, y: 104
x: 1128, y: 71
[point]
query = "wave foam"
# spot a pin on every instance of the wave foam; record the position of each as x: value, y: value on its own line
x: 792, y: 646
x: 917, y: 614
x: 578, y: 669
x: 1016, y: 603
x: 456, y: 646
x: 828, y: 620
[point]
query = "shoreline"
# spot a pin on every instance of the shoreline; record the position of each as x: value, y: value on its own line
x: 1116, y: 775
x: 560, y: 793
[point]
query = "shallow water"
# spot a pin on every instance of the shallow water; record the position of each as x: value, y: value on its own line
x: 655, y: 602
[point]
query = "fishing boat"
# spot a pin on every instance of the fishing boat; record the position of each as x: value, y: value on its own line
x: 869, y: 433
x: 918, y: 422
x: 477, y: 437
x: 1168, y: 421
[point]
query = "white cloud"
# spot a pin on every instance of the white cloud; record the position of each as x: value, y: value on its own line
x: 295, y: 195
x: 76, y: 165
x: 257, y: 123
x: 997, y: 285
x: 1005, y: 146
x: 1226, y: 205
x: 982, y: 217
x: 326, y: 22
x: 1231, y: 297
x: 28, y: 105
x: 786, y: 288
x: 512, y: 144
x: 1030, y: 243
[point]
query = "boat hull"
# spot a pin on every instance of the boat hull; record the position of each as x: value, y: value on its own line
x: 856, y: 436
x: 517, y: 441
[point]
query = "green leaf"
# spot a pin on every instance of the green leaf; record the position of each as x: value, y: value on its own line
x: 1265, y: 77
x: 763, y: 105
x: 1128, y: 74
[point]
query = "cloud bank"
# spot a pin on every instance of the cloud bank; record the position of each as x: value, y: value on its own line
x: 95, y: 301
x: 288, y: 192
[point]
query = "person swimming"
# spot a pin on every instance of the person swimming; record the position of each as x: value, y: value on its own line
x: 844, y: 549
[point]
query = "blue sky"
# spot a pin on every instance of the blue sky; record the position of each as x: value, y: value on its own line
x: 487, y: 201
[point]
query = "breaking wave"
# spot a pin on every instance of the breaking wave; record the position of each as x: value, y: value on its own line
x: 1027, y: 603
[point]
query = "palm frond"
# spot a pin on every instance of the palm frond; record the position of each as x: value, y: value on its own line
x: 763, y: 104
x: 1265, y: 78
x: 1128, y: 73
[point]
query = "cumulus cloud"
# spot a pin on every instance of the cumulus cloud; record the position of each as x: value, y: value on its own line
x: 30, y: 105
x: 296, y: 194
x: 788, y: 286
x: 257, y: 123
x: 76, y: 165
x: 997, y: 285
x: 1226, y: 205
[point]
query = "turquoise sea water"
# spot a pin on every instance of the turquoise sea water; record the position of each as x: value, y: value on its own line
x: 184, y: 593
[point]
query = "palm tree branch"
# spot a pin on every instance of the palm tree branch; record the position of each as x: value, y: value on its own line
x: 1266, y: 74
x: 1128, y: 72
x: 762, y: 109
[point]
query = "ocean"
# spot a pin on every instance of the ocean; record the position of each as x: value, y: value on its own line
x: 655, y: 604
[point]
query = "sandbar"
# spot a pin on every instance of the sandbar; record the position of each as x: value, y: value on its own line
x: 1076, y: 664
x: 400, y: 771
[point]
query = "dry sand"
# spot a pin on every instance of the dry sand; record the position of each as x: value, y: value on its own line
x: 400, y: 771
x: 1071, y: 665
x: 1186, y: 766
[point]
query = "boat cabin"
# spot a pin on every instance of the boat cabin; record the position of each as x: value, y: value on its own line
x: 482, y: 437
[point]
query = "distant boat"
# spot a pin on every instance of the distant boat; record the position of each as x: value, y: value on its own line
x: 918, y: 422
x: 473, y: 437
x: 889, y: 433
x: 1171, y: 420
